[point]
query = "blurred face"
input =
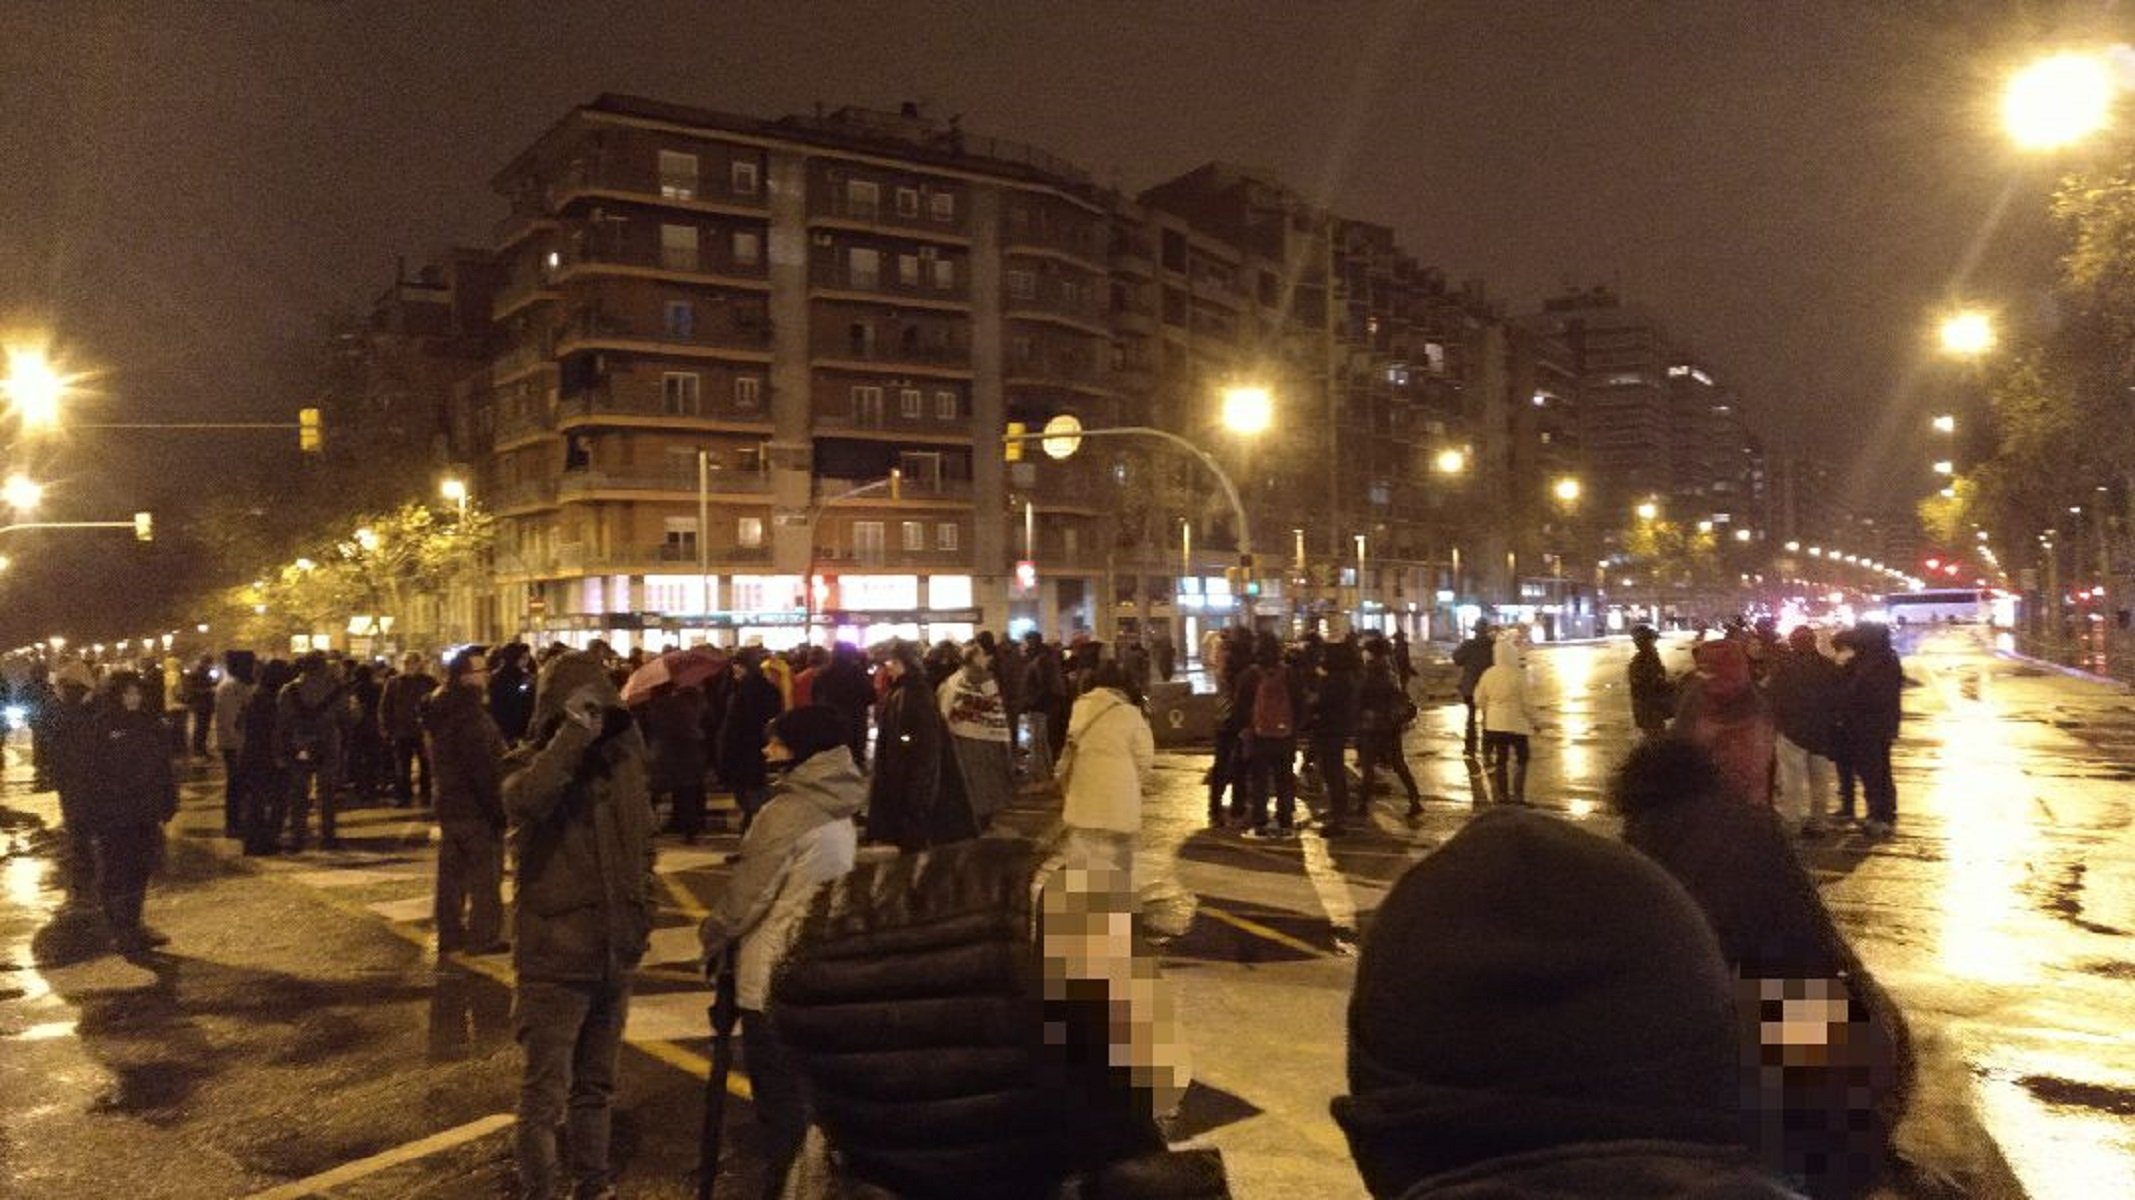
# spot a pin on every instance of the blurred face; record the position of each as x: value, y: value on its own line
x: 131, y: 697
x: 776, y: 751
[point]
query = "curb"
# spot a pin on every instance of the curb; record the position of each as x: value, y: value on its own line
x: 2071, y: 672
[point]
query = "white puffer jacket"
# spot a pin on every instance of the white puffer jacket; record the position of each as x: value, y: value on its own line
x: 1114, y: 756
x: 1501, y: 703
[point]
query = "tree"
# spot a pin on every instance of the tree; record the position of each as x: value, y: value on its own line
x: 1673, y: 554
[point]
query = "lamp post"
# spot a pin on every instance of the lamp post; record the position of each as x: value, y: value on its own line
x: 2059, y: 100
x: 34, y: 387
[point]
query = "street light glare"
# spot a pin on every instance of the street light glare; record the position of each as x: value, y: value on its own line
x: 1945, y: 424
x: 34, y: 387
x: 21, y: 492
x: 1648, y: 511
x: 1451, y: 462
x: 1248, y: 409
x: 1967, y: 334
x: 2059, y: 100
x: 454, y: 491
x: 1567, y: 489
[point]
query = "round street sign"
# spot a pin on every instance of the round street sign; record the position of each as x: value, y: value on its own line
x: 1061, y: 436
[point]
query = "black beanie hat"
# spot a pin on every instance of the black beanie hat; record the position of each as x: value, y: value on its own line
x: 1530, y: 984
x: 810, y: 730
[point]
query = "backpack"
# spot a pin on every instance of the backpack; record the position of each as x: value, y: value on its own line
x: 1272, y: 716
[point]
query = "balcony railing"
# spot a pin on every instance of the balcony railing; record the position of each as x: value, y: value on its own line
x: 1088, y: 243
x: 840, y: 276
x: 514, y: 425
x: 529, y: 352
x: 594, y: 326
x: 704, y: 260
x: 578, y: 482
x: 604, y: 401
x: 890, y: 556
x: 524, y: 493
x: 1086, y: 311
x: 834, y: 202
x: 586, y: 176
x: 908, y: 488
x: 880, y: 352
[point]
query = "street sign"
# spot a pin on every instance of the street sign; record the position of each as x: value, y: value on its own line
x: 1062, y: 436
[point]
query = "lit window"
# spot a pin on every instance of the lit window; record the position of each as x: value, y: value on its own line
x: 678, y: 247
x: 909, y: 404
x: 678, y: 175
x: 679, y: 393
x: 908, y: 270
x: 749, y: 532
x: 863, y: 267
x: 748, y: 247
x: 863, y: 198
x: 744, y: 178
x: 945, y: 406
x: 748, y: 392
x: 945, y: 535
x: 945, y: 274
x: 915, y: 534
x: 1022, y: 285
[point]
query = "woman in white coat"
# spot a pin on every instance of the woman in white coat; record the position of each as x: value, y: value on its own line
x: 1110, y: 756
x: 1507, y: 718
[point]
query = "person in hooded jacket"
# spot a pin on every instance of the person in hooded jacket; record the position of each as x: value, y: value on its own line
x: 70, y: 752
x: 1576, y: 1039
x: 582, y: 820
x: 1330, y: 721
x: 803, y: 839
x: 752, y: 700
x: 978, y: 735
x: 1802, y: 687
x: 1111, y: 758
x: 1506, y: 714
x: 915, y: 796
x: 308, y: 747
x: 263, y: 778
x: 1653, y: 696
x: 466, y: 753
x: 131, y: 796
x: 1870, y: 695
x: 1384, y: 712
x: 1722, y: 711
x: 674, y: 719
x: 511, y: 690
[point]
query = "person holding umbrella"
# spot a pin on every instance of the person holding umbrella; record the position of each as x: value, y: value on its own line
x: 803, y: 837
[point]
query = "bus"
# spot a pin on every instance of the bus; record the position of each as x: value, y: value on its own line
x: 1939, y: 606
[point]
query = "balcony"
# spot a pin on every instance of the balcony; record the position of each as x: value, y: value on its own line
x: 1084, y: 315
x: 590, y: 181
x: 1085, y: 245
x: 951, y: 360
x: 889, y: 556
x: 1134, y: 318
x: 890, y: 425
x: 524, y: 493
x: 832, y: 203
x: 649, y: 480
x: 1133, y: 256
x: 535, y: 421
x: 832, y: 275
x: 909, y: 488
x: 528, y: 354
x: 703, y: 265
x: 519, y: 293
x: 517, y: 225
x: 590, y: 406
x: 601, y: 331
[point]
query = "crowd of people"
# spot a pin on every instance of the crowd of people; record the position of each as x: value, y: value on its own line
x: 1611, y: 1033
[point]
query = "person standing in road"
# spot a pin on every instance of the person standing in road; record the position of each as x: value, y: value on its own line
x: 1272, y: 698
x: 1507, y: 716
x: 674, y: 719
x: 803, y: 839
x: 1331, y: 720
x: 200, y: 702
x: 1045, y: 694
x: 229, y: 720
x: 400, y: 717
x: 466, y: 750
x: 365, y: 751
x: 1870, y: 697
x: 752, y: 700
x: 1653, y: 696
x: 1384, y: 713
x: 70, y: 752
x: 915, y: 796
x: 845, y: 687
x: 582, y: 819
x: 263, y: 776
x: 132, y: 795
x: 1473, y: 657
x: 511, y: 690
x: 1803, y: 691
x: 1404, y: 665
x: 1722, y: 711
x: 1111, y: 757
x: 307, y: 730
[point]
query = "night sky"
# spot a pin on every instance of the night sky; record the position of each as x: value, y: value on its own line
x: 1794, y: 186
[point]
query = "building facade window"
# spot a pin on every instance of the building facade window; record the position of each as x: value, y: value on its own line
x: 748, y: 247
x: 945, y: 406
x: 748, y: 393
x: 1022, y: 285
x: 863, y: 267
x: 945, y: 274
x: 907, y: 202
x: 863, y: 199
x: 679, y: 393
x: 678, y: 247
x: 909, y: 404
x: 945, y: 535
x: 908, y: 270
x: 744, y: 178
x: 867, y: 541
x: 678, y: 175
x: 749, y: 532
x: 942, y: 205
x: 915, y: 534
x: 867, y: 405
x: 680, y: 541
x: 681, y: 319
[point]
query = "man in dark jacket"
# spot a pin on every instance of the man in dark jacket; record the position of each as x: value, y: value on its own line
x: 582, y: 817
x: 400, y: 713
x: 752, y: 702
x: 1578, y: 1039
x: 844, y: 686
x: 511, y: 691
x: 1870, y: 695
x: 1802, y: 688
x: 1653, y: 693
x: 1268, y: 703
x: 1384, y: 711
x: 307, y: 731
x: 1045, y: 691
x: 70, y: 754
x: 466, y: 752
x: 1473, y: 657
x: 1329, y: 724
x: 131, y: 795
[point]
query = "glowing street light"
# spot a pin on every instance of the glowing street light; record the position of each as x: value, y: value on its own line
x: 367, y: 538
x: 1248, y: 408
x: 1566, y: 490
x: 1451, y: 461
x: 1943, y: 467
x: 2059, y: 100
x: 21, y: 492
x: 1648, y: 511
x: 1967, y: 334
x: 34, y: 387
x: 1742, y: 535
x: 1793, y: 547
x: 454, y: 491
x: 1945, y: 424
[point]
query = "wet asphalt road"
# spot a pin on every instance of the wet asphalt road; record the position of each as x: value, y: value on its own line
x: 298, y: 1036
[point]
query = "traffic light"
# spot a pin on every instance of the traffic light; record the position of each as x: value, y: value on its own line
x: 1012, y: 448
x: 310, y: 435
x: 144, y: 527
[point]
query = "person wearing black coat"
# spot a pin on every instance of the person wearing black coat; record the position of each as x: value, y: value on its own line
x: 1870, y: 693
x: 132, y: 794
x: 263, y: 778
x: 1653, y: 693
x: 1801, y: 688
x: 1330, y: 721
x: 674, y: 734
x: 844, y: 686
x: 752, y: 703
x: 1826, y: 1116
x: 511, y: 691
x: 1383, y: 713
x: 915, y: 797
x: 1473, y: 657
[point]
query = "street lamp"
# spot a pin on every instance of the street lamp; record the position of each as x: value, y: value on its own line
x: 1967, y: 334
x: 1945, y: 424
x: 1248, y: 408
x: 454, y: 490
x: 1451, y: 461
x: 1648, y: 511
x: 1567, y: 490
x: 21, y: 492
x: 34, y: 387
x: 2059, y: 100
x: 367, y: 538
x: 1943, y: 467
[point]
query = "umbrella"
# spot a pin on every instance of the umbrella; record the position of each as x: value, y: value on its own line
x: 683, y: 668
x: 725, y: 1011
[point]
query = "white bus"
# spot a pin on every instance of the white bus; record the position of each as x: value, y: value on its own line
x: 1939, y: 606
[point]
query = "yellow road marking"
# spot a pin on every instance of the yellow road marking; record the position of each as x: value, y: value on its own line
x: 1263, y: 932
x: 384, y: 1160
